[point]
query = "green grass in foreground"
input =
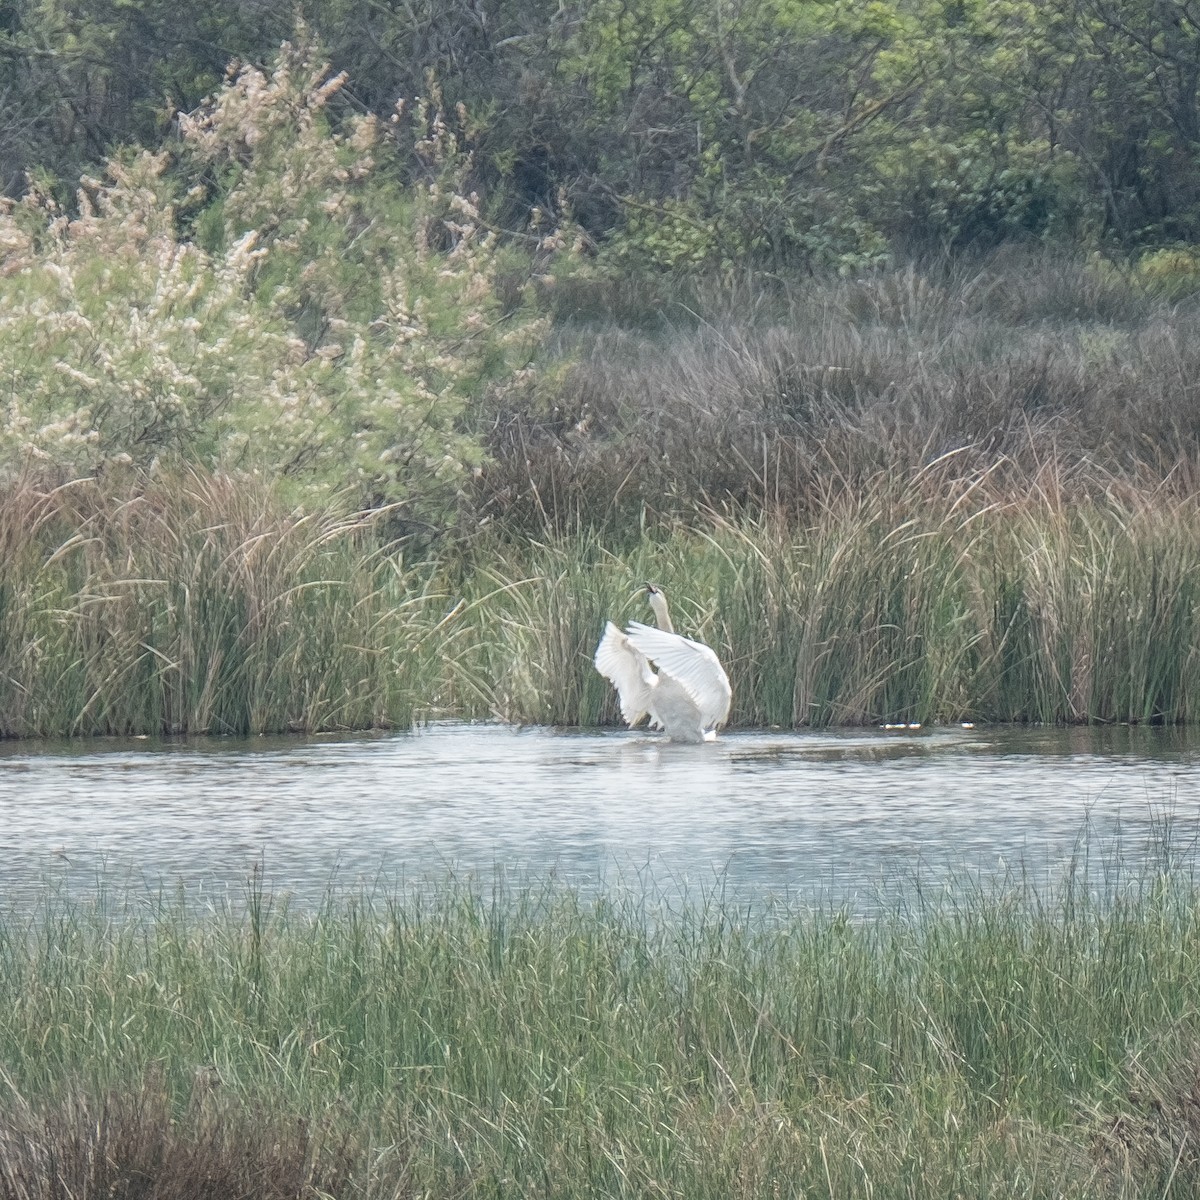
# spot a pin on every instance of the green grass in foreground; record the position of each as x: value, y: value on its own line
x: 520, y: 1044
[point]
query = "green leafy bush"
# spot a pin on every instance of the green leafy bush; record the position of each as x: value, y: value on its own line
x: 1172, y: 272
x: 268, y: 300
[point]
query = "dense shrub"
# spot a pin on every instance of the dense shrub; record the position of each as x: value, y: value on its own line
x: 687, y: 135
x: 323, y: 327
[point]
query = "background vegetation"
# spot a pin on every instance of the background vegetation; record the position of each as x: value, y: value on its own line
x: 795, y: 132
x: 341, y: 397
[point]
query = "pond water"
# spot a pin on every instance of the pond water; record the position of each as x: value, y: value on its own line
x: 836, y: 817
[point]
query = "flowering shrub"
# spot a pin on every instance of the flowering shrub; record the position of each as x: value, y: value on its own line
x: 268, y: 300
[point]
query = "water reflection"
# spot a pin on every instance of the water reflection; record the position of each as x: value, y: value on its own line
x: 840, y: 816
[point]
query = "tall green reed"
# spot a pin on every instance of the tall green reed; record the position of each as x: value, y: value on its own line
x: 523, y: 1041
x: 926, y: 598
x: 199, y: 606
x: 205, y: 607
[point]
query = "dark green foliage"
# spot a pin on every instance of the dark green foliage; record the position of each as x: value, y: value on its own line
x: 689, y: 135
x: 78, y: 80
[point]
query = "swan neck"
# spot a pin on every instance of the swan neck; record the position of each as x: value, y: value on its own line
x: 658, y: 602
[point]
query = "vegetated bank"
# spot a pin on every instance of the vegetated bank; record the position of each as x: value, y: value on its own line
x: 517, y: 1042
x: 295, y: 442
x: 952, y: 535
x: 199, y: 607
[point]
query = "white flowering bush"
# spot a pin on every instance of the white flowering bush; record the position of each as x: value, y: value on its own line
x: 267, y: 298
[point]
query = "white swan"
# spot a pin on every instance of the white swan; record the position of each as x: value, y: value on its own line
x: 688, y: 697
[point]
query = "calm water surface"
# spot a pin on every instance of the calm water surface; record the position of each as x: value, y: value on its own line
x: 834, y: 816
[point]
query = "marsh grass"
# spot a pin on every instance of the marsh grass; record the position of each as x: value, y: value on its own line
x: 960, y: 492
x: 769, y: 398
x: 197, y: 605
x: 522, y: 1041
x: 203, y: 607
x: 931, y: 599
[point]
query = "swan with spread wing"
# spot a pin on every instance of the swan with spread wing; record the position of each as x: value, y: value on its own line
x: 689, y: 694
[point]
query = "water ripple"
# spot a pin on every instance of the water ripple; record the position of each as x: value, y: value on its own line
x: 840, y: 815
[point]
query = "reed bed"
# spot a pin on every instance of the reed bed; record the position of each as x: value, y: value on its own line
x: 964, y: 490
x: 920, y: 600
x: 199, y: 605
x: 523, y: 1042
x: 204, y: 608
x: 960, y: 491
x: 767, y: 397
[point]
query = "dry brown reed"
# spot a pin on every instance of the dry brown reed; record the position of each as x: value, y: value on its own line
x: 760, y: 401
x: 134, y: 1144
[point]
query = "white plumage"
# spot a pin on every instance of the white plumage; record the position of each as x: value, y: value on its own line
x: 688, y: 696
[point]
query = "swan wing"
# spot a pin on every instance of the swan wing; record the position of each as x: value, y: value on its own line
x: 690, y: 664
x: 627, y: 670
